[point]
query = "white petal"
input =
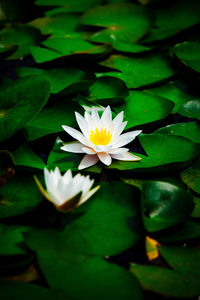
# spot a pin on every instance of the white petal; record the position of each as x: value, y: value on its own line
x: 118, y: 150
x: 88, y: 150
x: 83, y: 124
x: 101, y: 148
x: 75, y: 134
x: 126, y: 138
x: 88, y: 195
x: 88, y: 161
x: 105, y: 158
x: 106, y: 116
x: 118, y: 129
x: 127, y: 156
x: 74, y: 147
x: 119, y: 118
x: 48, y: 179
x: 86, y: 185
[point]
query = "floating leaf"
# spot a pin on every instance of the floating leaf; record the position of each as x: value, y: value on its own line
x: 191, y: 109
x: 60, y: 79
x: 162, y: 150
x: 172, y: 93
x: 190, y: 130
x: 18, y: 196
x: 20, y: 290
x: 184, y: 273
x: 191, y: 176
x: 24, y: 156
x: 141, y: 108
x: 188, y: 53
x: 118, y: 20
x: 139, y: 72
x: 20, y: 102
x: 164, y: 205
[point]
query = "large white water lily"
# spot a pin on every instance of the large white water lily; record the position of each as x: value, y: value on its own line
x: 66, y: 192
x: 101, y: 138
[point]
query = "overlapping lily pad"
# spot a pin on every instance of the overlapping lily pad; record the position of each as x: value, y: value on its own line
x: 20, y: 102
x: 139, y: 72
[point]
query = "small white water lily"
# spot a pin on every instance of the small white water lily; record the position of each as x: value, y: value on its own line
x: 66, y: 192
x: 101, y: 138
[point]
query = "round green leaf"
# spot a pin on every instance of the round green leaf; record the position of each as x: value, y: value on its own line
x: 20, y: 102
x: 80, y: 274
x: 118, y: 19
x: 139, y: 72
x: 59, y: 79
x: 141, y: 108
x: 164, y: 205
x: 191, y: 176
x: 191, y: 109
x: 190, y: 130
x: 162, y: 150
x: 189, y: 54
x: 19, y: 290
x: 172, y: 93
x: 182, y: 280
x: 19, y: 196
x: 108, y: 87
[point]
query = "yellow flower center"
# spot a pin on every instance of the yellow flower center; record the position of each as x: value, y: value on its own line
x: 100, y: 137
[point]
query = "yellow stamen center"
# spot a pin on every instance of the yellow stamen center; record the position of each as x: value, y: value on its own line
x: 100, y: 137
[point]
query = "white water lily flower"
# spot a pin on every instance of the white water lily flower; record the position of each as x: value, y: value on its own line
x: 101, y: 138
x: 66, y: 192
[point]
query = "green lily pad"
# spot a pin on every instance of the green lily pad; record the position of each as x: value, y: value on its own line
x: 191, y: 176
x: 172, y: 18
x: 103, y: 229
x: 118, y: 18
x: 20, y: 290
x: 106, y: 88
x: 184, y: 232
x: 141, y: 108
x: 189, y: 54
x: 172, y: 93
x: 164, y: 205
x: 19, y: 196
x: 196, y: 210
x: 64, y: 46
x: 70, y: 5
x: 129, y: 47
x: 20, y: 102
x: 162, y: 150
x: 190, y: 130
x: 10, y: 238
x: 58, y: 24
x: 139, y: 72
x: 60, y: 79
x: 50, y: 120
x: 24, y: 156
x: 23, y: 36
x: 181, y: 281
x: 191, y: 109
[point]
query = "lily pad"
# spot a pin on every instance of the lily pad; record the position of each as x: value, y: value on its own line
x: 162, y: 150
x: 191, y: 176
x: 191, y: 109
x: 189, y: 130
x: 19, y: 196
x: 118, y: 19
x: 164, y: 205
x: 60, y: 79
x: 141, y: 108
x: 20, y: 102
x: 23, y: 36
x: 183, y: 274
x: 139, y: 72
x: 188, y: 53
x: 172, y: 93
